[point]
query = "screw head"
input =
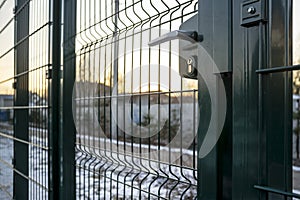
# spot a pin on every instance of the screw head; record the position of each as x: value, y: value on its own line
x: 251, y: 10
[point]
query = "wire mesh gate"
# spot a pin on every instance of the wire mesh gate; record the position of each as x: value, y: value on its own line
x: 132, y: 109
x: 26, y: 92
x: 130, y: 122
x: 128, y: 127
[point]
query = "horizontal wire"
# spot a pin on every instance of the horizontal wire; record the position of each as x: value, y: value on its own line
x: 23, y: 175
x: 123, y: 183
x: 15, y: 14
x: 129, y: 35
x: 23, y: 141
x: 140, y: 170
x: 25, y: 38
x: 132, y: 26
x: 23, y: 107
x: 111, y: 157
x: 117, y: 13
x: 85, y: 138
x: 134, y: 156
x: 25, y: 72
x: 86, y: 46
x: 136, y: 94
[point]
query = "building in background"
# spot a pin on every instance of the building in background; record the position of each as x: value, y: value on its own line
x: 6, y: 101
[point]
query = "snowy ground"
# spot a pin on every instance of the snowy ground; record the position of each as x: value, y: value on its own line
x: 38, y: 169
x: 111, y: 177
x: 102, y: 177
x: 6, y: 174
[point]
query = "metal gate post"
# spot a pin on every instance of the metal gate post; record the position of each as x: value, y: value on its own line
x: 262, y: 102
x: 276, y: 99
x: 254, y: 149
x: 21, y: 99
x: 214, y: 170
x: 54, y: 83
x: 67, y: 146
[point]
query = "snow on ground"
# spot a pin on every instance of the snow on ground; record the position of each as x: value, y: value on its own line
x: 100, y: 177
x: 108, y: 178
x: 6, y: 174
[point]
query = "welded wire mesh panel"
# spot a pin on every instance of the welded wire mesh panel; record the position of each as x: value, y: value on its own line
x: 25, y: 59
x: 39, y: 74
x: 136, y: 117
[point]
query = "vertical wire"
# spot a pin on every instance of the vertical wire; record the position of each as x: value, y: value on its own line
x: 137, y: 165
x: 34, y: 92
x: 42, y: 128
x: 105, y: 160
x: 140, y: 99
x: 48, y: 68
x: 81, y: 103
x: 114, y: 164
x: 195, y: 163
x: 169, y: 106
x: 104, y: 105
x: 108, y: 58
x: 86, y: 101
x: 78, y: 93
x: 112, y: 127
x: 145, y: 96
x: 93, y: 107
x: 89, y: 95
x: 170, y: 82
x: 124, y: 104
x: 95, y: 160
x: 98, y: 89
x: 79, y: 115
x: 43, y: 109
x: 159, y: 103
x: 31, y: 100
x: 46, y: 100
x: 31, y: 163
x: 149, y: 88
x: 105, y: 99
x: 115, y: 68
x: 122, y: 161
x: 188, y: 181
x: 86, y: 93
x: 129, y: 53
x: 131, y: 112
x: 39, y: 102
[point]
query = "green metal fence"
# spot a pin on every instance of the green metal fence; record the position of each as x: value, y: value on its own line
x: 99, y: 101
x: 26, y: 33
x: 131, y: 153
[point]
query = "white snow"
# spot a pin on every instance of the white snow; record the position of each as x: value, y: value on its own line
x: 102, y: 176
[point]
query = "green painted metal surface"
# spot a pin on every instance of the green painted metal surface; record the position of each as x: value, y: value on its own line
x: 253, y: 157
x: 68, y: 131
x: 255, y: 146
x: 21, y: 121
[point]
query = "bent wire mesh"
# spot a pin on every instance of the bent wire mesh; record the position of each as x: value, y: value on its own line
x: 136, y: 117
x: 25, y: 58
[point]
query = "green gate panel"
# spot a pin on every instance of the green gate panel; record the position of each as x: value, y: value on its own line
x: 20, y: 160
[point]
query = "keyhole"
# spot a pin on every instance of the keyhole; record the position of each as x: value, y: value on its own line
x: 190, y: 63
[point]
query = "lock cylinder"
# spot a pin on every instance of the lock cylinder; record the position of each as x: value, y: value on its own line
x: 188, y: 67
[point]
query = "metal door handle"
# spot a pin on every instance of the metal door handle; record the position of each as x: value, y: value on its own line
x: 191, y: 36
